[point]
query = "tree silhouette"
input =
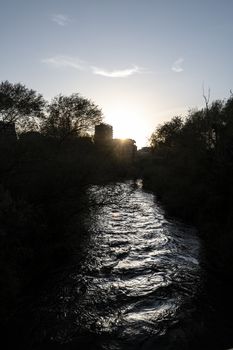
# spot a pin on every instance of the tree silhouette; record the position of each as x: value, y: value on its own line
x: 71, y: 116
x: 167, y: 133
x: 20, y: 105
x: 192, y: 163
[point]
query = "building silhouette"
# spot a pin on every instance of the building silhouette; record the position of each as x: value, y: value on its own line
x: 123, y: 149
x: 103, y: 134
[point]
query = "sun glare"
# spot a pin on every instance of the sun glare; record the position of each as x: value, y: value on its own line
x: 128, y: 124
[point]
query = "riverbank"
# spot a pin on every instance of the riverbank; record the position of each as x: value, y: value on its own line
x: 215, y: 305
x: 190, y: 169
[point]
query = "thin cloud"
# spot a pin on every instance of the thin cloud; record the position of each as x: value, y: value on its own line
x: 64, y: 62
x: 177, y: 65
x: 116, y: 73
x: 61, y: 20
x: 61, y: 61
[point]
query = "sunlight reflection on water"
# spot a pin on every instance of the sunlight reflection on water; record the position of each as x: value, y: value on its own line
x: 147, y: 266
x: 139, y: 278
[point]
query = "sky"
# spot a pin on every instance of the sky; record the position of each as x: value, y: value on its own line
x: 141, y: 61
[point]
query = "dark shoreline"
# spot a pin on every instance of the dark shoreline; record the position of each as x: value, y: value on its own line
x: 216, y: 299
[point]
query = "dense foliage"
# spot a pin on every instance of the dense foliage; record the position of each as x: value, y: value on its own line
x: 20, y: 105
x: 191, y: 170
x: 70, y: 116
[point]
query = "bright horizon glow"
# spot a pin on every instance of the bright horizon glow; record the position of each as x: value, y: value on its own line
x: 127, y: 123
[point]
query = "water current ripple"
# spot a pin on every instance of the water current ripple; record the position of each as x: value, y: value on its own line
x: 140, y: 275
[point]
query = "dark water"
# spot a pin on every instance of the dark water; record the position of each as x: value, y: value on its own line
x: 138, y: 284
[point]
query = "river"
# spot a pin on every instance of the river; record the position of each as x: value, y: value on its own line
x: 138, y: 283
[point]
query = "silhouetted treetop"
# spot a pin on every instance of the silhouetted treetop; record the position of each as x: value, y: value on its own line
x: 71, y: 116
x: 20, y: 105
x: 166, y: 133
x: 204, y: 130
x: 192, y: 162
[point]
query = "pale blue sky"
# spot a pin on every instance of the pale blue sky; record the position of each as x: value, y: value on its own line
x: 141, y: 61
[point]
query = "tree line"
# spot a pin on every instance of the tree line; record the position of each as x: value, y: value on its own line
x: 191, y: 165
x: 190, y: 169
x: 63, y: 117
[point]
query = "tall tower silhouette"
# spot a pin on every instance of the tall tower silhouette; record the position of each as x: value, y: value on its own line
x: 103, y: 134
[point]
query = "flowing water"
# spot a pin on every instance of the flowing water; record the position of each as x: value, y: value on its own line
x: 139, y: 279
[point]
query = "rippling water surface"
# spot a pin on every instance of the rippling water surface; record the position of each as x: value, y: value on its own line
x: 139, y: 279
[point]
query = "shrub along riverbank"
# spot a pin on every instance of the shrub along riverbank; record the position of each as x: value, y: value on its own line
x: 190, y: 169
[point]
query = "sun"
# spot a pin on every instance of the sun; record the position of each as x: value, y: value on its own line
x: 128, y: 123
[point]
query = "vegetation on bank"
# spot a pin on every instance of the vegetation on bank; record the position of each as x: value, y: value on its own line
x: 190, y: 168
x: 44, y: 174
